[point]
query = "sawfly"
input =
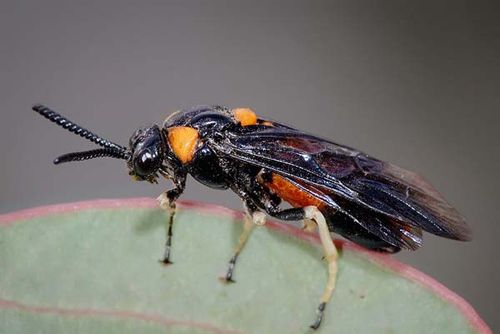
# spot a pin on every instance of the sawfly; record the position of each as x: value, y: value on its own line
x: 331, y: 187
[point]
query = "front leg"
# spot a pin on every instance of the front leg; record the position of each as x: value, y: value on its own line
x: 167, y: 201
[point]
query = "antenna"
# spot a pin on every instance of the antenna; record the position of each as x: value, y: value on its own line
x: 92, y: 154
x: 75, y: 128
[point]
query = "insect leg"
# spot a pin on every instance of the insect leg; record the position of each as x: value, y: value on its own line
x: 331, y: 256
x: 293, y: 214
x: 251, y: 218
x: 311, y: 215
x: 256, y: 198
x: 167, y: 201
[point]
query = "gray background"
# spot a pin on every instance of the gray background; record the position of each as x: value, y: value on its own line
x: 412, y: 82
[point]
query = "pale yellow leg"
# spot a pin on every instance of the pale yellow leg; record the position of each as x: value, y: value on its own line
x: 308, y: 225
x: 247, y: 229
x: 257, y: 218
x: 331, y: 256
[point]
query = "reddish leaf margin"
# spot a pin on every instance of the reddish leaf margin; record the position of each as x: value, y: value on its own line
x: 383, y: 260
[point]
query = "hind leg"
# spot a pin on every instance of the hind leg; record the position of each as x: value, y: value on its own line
x: 311, y: 215
x: 331, y: 256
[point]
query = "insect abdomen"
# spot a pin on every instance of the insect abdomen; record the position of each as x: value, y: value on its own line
x: 290, y: 193
x: 337, y: 222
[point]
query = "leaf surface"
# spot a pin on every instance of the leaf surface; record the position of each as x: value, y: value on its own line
x: 92, y: 267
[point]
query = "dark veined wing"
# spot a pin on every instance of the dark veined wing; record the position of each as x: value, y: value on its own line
x: 350, y: 181
x: 387, y: 228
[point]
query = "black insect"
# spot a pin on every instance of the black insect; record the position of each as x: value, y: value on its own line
x: 373, y: 203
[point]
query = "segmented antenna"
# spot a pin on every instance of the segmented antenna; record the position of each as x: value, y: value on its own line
x: 86, y: 155
x: 76, y: 129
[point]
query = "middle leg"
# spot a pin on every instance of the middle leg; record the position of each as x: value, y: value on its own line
x: 251, y: 219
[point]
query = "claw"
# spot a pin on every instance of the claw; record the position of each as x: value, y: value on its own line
x: 226, y: 280
x: 229, y: 275
x: 166, y: 258
x: 165, y: 262
x: 319, y: 318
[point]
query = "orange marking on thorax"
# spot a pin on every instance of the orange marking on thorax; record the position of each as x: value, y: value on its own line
x: 245, y: 116
x: 290, y: 193
x: 183, y: 141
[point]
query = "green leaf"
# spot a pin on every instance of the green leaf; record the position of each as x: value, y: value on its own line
x: 92, y: 267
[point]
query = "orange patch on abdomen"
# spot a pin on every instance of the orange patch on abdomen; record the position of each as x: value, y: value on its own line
x: 290, y: 193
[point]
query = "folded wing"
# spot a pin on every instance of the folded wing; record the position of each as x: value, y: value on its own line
x: 388, y: 201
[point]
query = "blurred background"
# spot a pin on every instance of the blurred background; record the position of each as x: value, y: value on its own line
x: 412, y: 82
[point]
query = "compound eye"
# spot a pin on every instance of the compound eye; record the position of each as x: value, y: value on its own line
x: 146, y: 163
